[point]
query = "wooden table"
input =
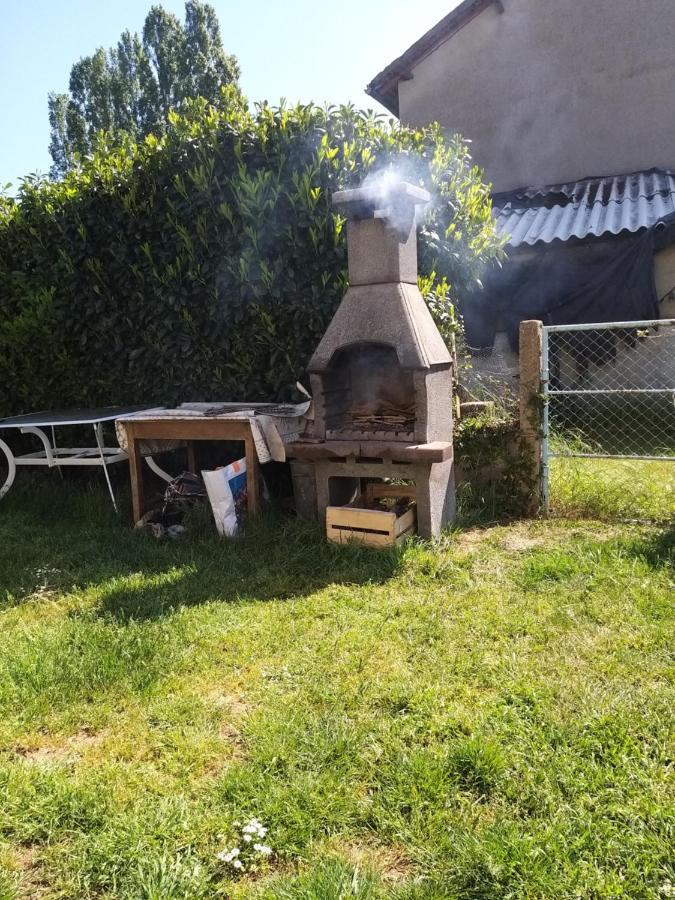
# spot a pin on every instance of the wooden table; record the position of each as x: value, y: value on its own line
x: 190, y: 429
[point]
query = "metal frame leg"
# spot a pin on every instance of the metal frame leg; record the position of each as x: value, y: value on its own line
x: 98, y: 432
x: 11, y: 475
x: 60, y: 470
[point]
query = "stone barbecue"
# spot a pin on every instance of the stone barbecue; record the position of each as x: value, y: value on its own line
x: 381, y: 376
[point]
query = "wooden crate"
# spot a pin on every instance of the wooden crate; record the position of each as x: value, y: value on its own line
x: 372, y: 527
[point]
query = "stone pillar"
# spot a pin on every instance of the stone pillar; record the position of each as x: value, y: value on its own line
x: 531, y: 343
x: 435, y: 485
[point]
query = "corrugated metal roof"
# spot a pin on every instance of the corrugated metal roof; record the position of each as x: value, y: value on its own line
x: 593, y: 206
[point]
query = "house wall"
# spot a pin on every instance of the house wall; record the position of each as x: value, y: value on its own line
x: 555, y: 90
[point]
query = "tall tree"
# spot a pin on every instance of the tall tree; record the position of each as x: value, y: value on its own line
x: 130, y: 88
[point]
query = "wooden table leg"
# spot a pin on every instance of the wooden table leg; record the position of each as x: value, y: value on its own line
x: 191, y: 457
x: 252, y: 477
x: 136, y: 477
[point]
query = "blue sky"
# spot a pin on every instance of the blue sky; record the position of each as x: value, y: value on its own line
x: 297, y: 49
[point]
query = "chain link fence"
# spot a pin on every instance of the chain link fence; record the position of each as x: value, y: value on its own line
x: 609, y: 394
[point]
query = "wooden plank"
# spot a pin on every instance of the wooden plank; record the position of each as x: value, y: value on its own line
x: 190, y: 428
x: 405, y: 535
x: 376, y: 490
x: 191, y: 457
x: 369, y: 538
x: 252, y: 472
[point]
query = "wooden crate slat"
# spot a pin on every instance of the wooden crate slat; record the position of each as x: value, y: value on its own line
x: 369, y: 538
x: 410, y: 532
x: 405, y: 522
x: 378, y: 520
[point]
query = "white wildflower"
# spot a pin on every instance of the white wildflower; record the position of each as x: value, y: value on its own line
x: 227, y: 856
x: 252, y: 848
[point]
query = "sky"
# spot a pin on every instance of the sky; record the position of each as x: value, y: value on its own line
x: 307, y: 50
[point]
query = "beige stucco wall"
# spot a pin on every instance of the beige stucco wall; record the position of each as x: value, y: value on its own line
x: 555, y: 90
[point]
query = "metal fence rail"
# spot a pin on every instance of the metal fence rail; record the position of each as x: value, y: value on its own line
x: 608, y: 392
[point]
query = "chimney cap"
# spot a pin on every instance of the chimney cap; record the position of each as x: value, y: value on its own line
x: 374, y: 200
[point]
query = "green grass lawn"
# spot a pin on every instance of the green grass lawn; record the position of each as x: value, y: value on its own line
x: 486, y: 719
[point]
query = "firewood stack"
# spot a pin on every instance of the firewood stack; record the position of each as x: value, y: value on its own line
x: 387, y: 418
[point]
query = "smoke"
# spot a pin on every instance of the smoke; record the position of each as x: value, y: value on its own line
x: 381, y: 188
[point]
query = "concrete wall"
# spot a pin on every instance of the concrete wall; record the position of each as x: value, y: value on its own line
x: 555, y: 90
x: 664, y: 276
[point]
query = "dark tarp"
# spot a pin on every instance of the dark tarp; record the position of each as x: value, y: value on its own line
x: 571, y: 283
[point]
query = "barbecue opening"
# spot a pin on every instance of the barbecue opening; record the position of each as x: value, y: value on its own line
x: 367, y: 393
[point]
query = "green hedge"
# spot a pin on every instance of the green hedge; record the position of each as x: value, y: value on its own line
x: 208, y: 263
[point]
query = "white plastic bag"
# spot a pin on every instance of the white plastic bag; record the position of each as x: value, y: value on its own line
x: 226, y: 489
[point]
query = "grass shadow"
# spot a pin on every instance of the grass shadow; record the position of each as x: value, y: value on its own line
x: 276, y: 558
x: 66, y: 539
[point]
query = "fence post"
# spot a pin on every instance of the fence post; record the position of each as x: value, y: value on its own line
x: 531, y: 424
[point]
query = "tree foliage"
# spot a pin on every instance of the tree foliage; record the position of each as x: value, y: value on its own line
x: 132, y: 87
x: 206, y: 264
